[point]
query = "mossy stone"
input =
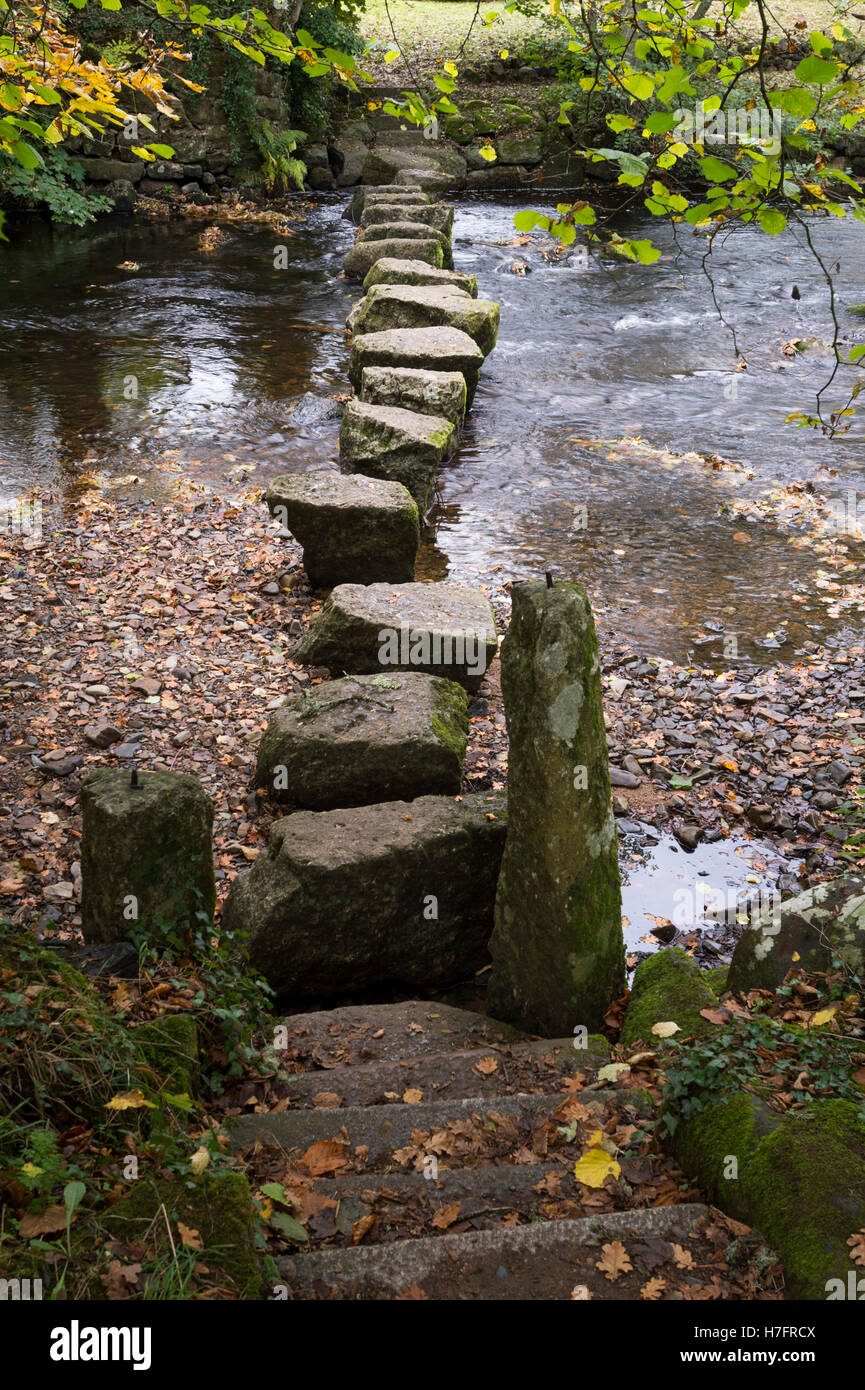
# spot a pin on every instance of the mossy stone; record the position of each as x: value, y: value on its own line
x: 668, y: 988
x: 169, y: 1047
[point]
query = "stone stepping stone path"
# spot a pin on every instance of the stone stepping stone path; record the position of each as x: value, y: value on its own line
x: 383, y: 441
x: 426, y: 306
x: 424, y: 349
x: 353, y: 529
x: 364, y: 739
x: 438, y: 216
x: 444, y: 629
x: 391, y: 271
x: 427, y: 393
x: 400, y: 891
x: 364, y: 254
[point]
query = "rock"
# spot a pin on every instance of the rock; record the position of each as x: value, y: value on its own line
x: 122, y: 194
x: 564, y: 170
x: 400, y: 892
x: 497, y: 176
x: 146, y: 853
x: 443, y: 629
x: 426, y: 306
x: 363, y: 739
x: 107, y: 170
x: 431, y: 181
x: 390, y: 271
x: 383, y: 441
x: 557, y: 947
x: 519, y: 149
x: 392, y: 193
x: 191, y: 189
x: 433, y: 349
x: 826, y: 920
x: 668, y: 988
x: 169, y: 1046
x: 689, y: 836
x: 438, y: 216
x: 428, y: 393
x: 166, y: 169
x: 146, y: 685
x: 352, y: 154
x: 103, y: 734
x: 315, y: 157
x: 405, y: 230
x: 364, y: 254
x: 353, y: 529
x: 320, y: 178
x: 440, y: 168
x: 619, y: 778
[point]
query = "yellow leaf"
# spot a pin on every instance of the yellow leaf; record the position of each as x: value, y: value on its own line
x: 412, y: 1096
x: 504, y: 53
x: 796, y: 956
x: 594, y: 1167
x: 189, y: 1237
x: 199, y: 1161
x: 31, y: 1170
x: 665, y: 1030
x: 129, y: 1100
x: 824, y: 1016
x: 487, y: 152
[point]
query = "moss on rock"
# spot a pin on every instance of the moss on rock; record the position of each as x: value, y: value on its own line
x: 668, y: 987
x: 169, y: 1048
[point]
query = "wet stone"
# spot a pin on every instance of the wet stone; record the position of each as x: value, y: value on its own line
x: 426, y: 306
x: 427, y: 393
x: 392, y: 271
x: 424, y: 349
x: 397, y: 445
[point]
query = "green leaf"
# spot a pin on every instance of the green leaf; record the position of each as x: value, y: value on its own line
x: 526, y: 221
x: 681, y: 782
x: 660, y: 122
x: 73, y: 1194
x: 856, y: 353
x: 816, y: 70
x: 287, y: 1226
x: 639, y: 84
x: 391, y: 55
x: 619, y: 122
x: 717, y: 170
x: 26, y: 155
x: 771, y: 220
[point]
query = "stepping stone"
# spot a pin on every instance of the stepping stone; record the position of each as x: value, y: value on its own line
x: 387, y: 193
x: 390, y: 1032
x: 425, y: 349
x: 354, y: 530
x: 443, y: 629
x: 439, y: 216
x: 420, y: 165
x: 406, y: 230
x: 426, y: 306
x: 400, y: 892
x: 364, y: 254
x: 542, y: 1260
x: 427, y: 393
x: 365, y: 738
x: 383, y: 441
x: 390, y: 271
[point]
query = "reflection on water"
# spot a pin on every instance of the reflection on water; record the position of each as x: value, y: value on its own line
x: 221, y: 359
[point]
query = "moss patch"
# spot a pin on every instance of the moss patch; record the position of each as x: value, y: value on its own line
x: 169, y: 1047
x: 668, y: 987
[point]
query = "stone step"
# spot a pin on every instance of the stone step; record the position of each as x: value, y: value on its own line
x: 332, y: 1038
x: 367, y: 196
x: 391, y: 271
x: 365, y: 739
x: 542, y: 1260
x: 426, y: 306
x: 439, y: 216
x: 383, y: 441
x: 427, y: 393
x: 443, y: 629
x: 421, y: 349
x: 353, y: 529
x: 519, y: 1067
x: 364, y: 254
x: 382, y: 1129
x: 400, y: 892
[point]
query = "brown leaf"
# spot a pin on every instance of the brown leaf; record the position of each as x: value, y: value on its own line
x: 615, y: 1260
x: 654, y: 1288
x: 446, y: 1216
x: 682, y: 1258
x: 189, y: 1237
x: 325, y: 1156
x: 47, y: 1222
x: 857, y: 1247
x: 408, y: 1293
x: 326, y: 1100
x: 716, y: 1015
x: 412, y: 1096
x: 360, y: 1228
x: 487, y: 1065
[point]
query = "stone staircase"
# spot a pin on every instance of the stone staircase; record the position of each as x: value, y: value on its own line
x: 429, y: 1152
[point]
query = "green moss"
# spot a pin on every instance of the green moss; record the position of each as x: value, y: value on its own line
x: 668, y: 987
x: 717, y: 979
x: 217, y: 1205
x: 169, y: 1047
x: 704, y: 1144
x: 450, y: 722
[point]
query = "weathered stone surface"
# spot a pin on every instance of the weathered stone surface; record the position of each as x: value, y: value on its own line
x: 406, y: 230
x: 557, y: 948
x: 383, y: 441
x: 443, y: 629
x: 401, y: 892
x: 428, y: 393
x: 107, y: 170
x: 393, y: 193
x: 668, y: 987
x: 519, y: 149
x: 498, y: 176
x: 352, y: 154
x: 438, y: 216
x: 353, y: 529
x: 826, y: 920
x: 122, y: 194
x: 433, y: 349
x: 151, y: 843
x: 390, y: 271
x: 426, y: 306
x: 432, y: 181
x: 422, y: 161
x: 364, y: 254
x: 361, y: 739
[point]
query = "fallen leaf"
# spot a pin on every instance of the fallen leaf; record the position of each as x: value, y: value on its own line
x: 654, y: 1288
x: 594, y: 1167
x: 487, y: 1065
x: 47, y: 1222
x: 857, y: 1247
x: 615, y: 1260
x: 360, y: 1228
x: 665, y: 1030
x: 129, y: 1100
x: 199, y: 1161
x: 189, y: 1237
x: 412, y: 1096
x: 445, y: 1216
x: 325, y: 1156
x: 682, y: 1258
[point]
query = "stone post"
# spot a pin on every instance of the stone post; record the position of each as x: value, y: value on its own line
x: 557, y: 946
x: 146, y: 852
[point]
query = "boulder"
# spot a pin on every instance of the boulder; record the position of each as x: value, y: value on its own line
x: 426, y: 306
x: 824, y: 921
x: 438, y: 216
x: 394, y: 193
x: 400, y: 893
x: 107, y: 170
x: 668, y: 987
x: 431, y: 181
x: 361, y: 739
x: 146, y: 853
x: 390, y: 271
x: 434, y: 349
x: 364, y: 254
x: 354, y: 530
x: 519, y: 149
x: 352, y: 157
x: 122, y: 194
x: 383, y: 441
x: 428, y: 393
x: 498, y: 176
x: 406, y: 230
x: 424, y: 162
x: 442, y: 629
x: 557, y: 948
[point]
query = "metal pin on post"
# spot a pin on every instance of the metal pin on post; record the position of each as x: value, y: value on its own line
x: 549, y: 579
x: 133, y: 780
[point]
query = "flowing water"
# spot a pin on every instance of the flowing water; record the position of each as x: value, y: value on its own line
x: 128, y: 349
